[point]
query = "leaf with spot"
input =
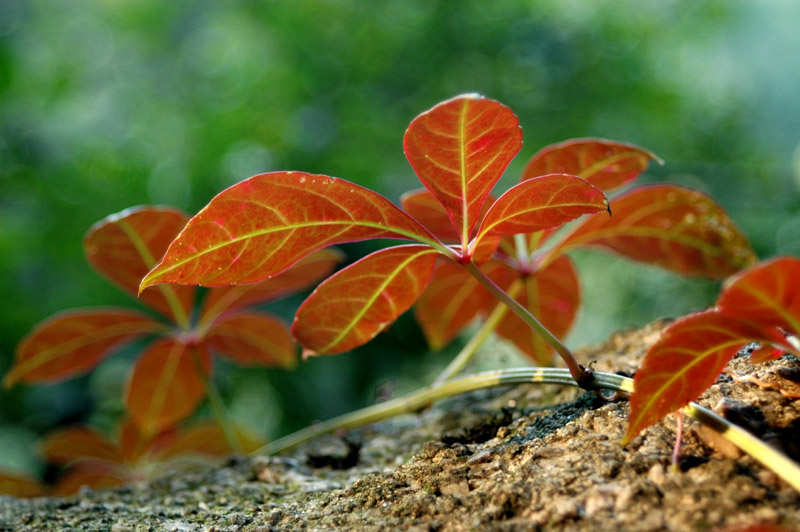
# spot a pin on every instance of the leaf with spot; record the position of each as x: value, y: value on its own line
x: 260, y: 227
x: 74, y: 342
x: 125, y: 246
x: 606, y: 164
x: 459, y: 149
x: 676, y: 228
x: 358, y: 302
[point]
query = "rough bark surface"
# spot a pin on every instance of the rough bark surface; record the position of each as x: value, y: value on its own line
x: 522, y: 458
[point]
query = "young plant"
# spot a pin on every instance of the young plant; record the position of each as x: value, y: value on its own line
x: 263, y: 225
x: 173, y: 374
x: 90, y: 458
x: 678, y: 229
x: 761, y: 304
x: 459, y: 149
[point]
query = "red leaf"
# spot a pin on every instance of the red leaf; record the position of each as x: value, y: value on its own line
x: 767, y: 294
x: 252, y: 339
x: 673, y: 227
x: 263, y: 225
x: 459, y: 149
x: 541, y: 203
x: 20, y: 485
x: 683, y: 363
x: 299, y: 277
x: 426, y: 209
x: 133, y: 444
x: 67, y: 445
x: 454, y: 298
x: 165, y: 387
x: 605, y: 164
x: 73, y: 342
x: 553, y: 296
x: 205, y: 439
x: 125, y: 246
x: 358, y: 302
x: 95, y: 474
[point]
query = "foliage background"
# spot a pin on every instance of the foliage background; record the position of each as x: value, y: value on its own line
x: 105, y: 105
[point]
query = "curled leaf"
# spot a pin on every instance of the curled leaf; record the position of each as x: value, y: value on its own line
x: 676, y: 228
x: 606, y: 164
x: 358, y: 302
x: 459, y: 149
x: 263, y: 225
x: 73, y: 342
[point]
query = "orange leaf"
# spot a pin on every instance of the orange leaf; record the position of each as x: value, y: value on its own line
x: 676, y: 228
x: 165, y: 387
x: 541, y: 203
x: 605, y: 164
x: 299, y: 277
x: 20, y: 485
x: 133, y: 444
x: 125, y: 246
x: 459, y: 149
x: 95, y: 474
x: 73, y: 342
x: 553, y: 296
x: 67, y: 445
x: 263, y: 225
x: 203, y: 438
x: 683, y: 363
x: 360, y: 301
x: 454, y: 298
x: 252, y: 339
x: 767, y: 294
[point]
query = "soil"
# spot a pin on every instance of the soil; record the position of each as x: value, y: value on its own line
x: 517, y: 458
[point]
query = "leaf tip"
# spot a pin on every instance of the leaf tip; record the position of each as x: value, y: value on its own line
x: 629, y: 436
x: 308, y: 353
x: 9, y: 380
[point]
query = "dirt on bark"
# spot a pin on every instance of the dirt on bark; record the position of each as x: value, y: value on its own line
x: 527, y: 457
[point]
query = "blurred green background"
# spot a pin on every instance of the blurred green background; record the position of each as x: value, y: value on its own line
x: 107, y: 104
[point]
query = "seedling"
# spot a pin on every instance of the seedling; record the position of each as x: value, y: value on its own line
x: 173, y: 374
x: 459, y: 149
x: 91, y: 458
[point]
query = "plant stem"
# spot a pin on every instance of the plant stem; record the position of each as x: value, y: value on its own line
x: 468, y: 351
x: 770, y: 457
x: 218, y: 406
x: 578, y: 372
